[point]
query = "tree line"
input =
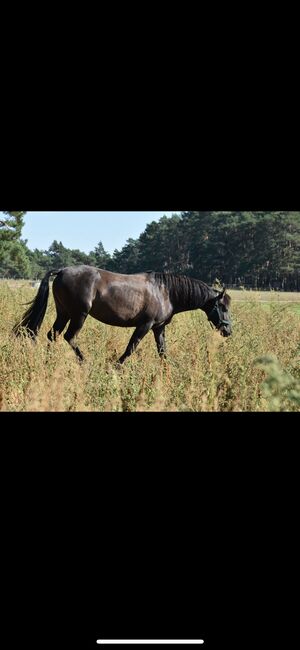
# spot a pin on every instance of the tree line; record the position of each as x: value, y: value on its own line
x: 240, y: 249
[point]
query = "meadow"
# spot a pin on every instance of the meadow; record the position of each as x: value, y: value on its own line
x: 256, y: 369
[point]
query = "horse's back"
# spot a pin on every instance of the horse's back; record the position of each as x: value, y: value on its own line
x: 114, y: 298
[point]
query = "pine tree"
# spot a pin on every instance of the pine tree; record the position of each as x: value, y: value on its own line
x: 99, y: 257
x: 14, y: 260
x: 59, y: 255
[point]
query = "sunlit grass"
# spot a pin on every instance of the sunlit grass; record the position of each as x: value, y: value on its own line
x: 257, y: 369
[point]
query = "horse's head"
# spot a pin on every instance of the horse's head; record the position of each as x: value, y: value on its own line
x: 219, y: 314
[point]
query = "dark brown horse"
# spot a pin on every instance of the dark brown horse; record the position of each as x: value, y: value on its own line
x: 144, y: 301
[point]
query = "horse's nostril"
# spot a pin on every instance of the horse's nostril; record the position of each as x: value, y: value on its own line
x: 225, y: 332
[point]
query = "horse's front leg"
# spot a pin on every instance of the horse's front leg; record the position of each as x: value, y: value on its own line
x: 159, y: 335
x: 136, y: 338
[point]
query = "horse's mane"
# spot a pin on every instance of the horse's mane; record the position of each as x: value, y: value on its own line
x: 184, y: 290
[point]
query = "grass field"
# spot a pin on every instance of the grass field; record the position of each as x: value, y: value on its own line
x: 257, y: 369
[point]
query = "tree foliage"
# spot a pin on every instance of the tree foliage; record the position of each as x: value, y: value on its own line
x: 14, y: 259
x: 253, y: 249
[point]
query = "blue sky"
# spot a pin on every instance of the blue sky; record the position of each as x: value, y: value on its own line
x: 84, y: 230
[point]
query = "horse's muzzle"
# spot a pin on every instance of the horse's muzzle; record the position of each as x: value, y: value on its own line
x: 225, y: 331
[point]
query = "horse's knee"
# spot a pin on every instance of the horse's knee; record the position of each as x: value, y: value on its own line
x: 68, y: 337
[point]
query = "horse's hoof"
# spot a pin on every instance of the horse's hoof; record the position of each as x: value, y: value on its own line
x: 119, y: 364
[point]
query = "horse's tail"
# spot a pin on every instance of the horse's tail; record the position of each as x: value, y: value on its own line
x: 32, y: 319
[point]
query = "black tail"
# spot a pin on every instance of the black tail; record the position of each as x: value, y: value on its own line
x: 32, y: 319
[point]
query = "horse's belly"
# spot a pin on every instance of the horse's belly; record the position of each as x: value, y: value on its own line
x: 119, y: 313
x: 128, y: 306
x: 110, y: 318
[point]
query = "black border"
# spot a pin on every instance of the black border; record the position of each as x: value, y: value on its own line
x: 151, y: 525
x: 195, y: 173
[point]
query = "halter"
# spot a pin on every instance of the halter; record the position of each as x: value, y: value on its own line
x: 216, y: 311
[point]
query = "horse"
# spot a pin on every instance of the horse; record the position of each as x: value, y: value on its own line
x: 146, y: 301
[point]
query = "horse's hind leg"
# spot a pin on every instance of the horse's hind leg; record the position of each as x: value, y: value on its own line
x: 159, y: 335
x: 137, y: 336
x: 58, y: 326
x: 74, y: 328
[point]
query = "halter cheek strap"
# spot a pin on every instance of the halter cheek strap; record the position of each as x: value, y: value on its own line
x: 216, y: 311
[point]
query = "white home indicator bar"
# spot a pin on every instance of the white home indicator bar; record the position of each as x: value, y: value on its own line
x: 150, y: 641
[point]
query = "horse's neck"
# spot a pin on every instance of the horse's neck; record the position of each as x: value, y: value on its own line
x: 197, y: 298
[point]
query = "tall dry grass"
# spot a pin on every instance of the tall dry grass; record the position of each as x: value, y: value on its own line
x: 257, y: 369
